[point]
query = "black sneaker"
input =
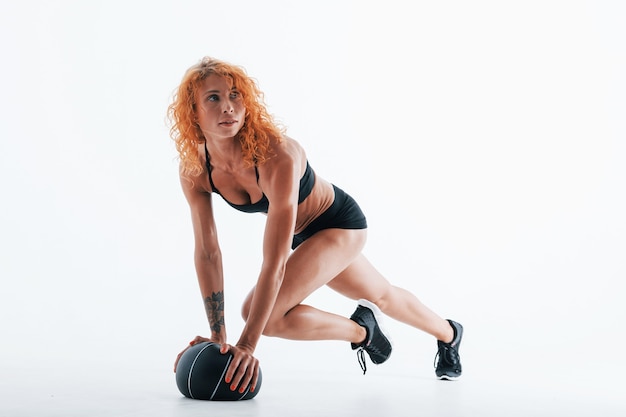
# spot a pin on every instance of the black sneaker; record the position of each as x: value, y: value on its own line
x: 449, y: 364
x: 376, y: 343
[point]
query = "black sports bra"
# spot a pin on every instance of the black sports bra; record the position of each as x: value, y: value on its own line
x: 306, y: 186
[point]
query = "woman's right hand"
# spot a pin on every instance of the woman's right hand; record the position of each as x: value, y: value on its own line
x: 196, y: 340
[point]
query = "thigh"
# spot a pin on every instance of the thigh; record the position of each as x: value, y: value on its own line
x: 316, y: 262
x: 361, y: 280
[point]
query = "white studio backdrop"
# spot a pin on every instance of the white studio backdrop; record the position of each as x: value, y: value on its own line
x: 484, y: 140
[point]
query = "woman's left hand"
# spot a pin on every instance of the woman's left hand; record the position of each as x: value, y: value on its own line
x: 243, y: 369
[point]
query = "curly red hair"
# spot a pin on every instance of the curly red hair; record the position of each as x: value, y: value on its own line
x: 257, y: 133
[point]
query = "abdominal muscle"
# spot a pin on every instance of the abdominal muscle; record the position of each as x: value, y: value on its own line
x: 321, y: 198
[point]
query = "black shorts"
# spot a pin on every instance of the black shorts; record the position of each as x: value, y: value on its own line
x: 344, y: 213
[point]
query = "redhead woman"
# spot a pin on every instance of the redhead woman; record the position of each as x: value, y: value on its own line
x: 229, y: 144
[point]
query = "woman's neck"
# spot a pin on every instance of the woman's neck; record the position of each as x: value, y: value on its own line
x: 225, y: 153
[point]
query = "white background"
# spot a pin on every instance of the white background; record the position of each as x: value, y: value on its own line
x: 484, y: 140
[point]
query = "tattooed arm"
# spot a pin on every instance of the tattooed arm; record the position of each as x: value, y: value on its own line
x: 214, y: 306
x: 207, y: 258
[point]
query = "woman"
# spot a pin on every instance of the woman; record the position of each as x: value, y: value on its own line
x: 228, y: 144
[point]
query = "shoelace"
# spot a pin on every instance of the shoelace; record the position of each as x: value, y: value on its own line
x: 450, y: 355
x: 361, y: 358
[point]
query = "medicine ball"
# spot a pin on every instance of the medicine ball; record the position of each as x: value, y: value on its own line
x: 200, y: 374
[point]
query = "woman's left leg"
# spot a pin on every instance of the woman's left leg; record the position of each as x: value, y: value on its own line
x: 316, y: 262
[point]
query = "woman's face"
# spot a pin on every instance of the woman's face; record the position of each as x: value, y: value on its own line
x: 219, y: 108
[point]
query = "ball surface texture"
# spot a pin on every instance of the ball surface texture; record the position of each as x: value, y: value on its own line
x: 200, y: 375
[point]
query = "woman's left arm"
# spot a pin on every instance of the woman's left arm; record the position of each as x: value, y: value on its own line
x: 280, y: 180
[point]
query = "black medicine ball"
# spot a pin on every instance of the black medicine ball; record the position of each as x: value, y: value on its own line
x: 200, y: 375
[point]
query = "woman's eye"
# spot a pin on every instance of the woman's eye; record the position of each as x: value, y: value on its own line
x: 234, y: 95
x: 212, y: 97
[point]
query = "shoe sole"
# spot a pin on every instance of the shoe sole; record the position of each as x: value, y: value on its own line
x: 378, y: 315
x: 448, y: 378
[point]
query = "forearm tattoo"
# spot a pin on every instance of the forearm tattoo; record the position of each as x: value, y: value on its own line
x: 214, y: 306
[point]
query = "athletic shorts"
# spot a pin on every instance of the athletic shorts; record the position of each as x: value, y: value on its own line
x: 344, y: 213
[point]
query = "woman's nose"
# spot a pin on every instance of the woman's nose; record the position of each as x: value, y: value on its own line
x: 228, y: 107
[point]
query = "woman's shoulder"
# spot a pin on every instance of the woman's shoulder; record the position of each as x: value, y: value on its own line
x: 289, y: 148
x: 287, y: 154
x: 196, y: 182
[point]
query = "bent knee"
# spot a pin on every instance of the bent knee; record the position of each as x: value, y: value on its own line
x: 273, y: 328
x: 245, y: 310
x: 245, y: 307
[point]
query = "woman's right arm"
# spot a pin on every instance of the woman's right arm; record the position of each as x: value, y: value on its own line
x: 207, y: 256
